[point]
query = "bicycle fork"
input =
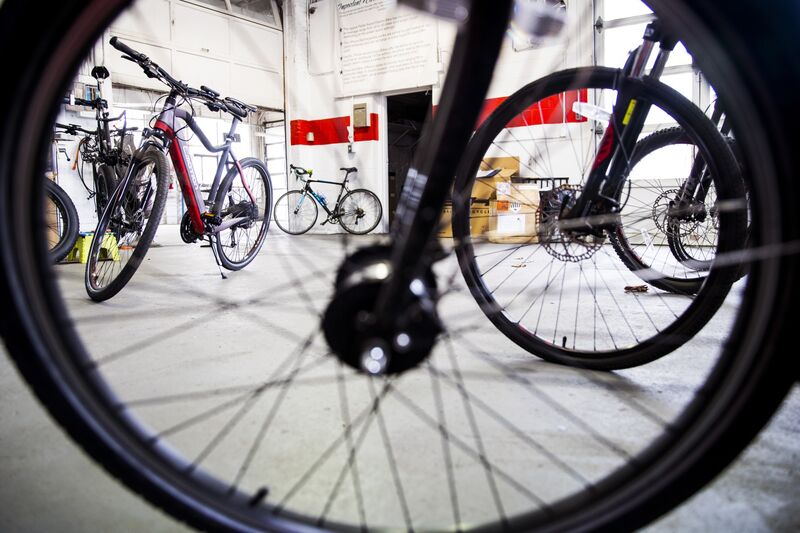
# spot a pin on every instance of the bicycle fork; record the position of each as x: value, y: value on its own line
x: 609, y: 172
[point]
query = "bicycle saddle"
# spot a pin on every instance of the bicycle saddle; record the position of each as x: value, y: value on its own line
x: 100, y: 72
x: 349, y: 169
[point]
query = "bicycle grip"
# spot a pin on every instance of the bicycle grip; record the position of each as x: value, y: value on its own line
x: 125, y: 49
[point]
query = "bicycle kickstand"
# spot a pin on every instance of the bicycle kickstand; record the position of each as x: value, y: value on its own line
x: 216, y: 256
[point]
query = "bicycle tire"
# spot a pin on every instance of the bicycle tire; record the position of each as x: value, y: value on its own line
x: 67, y: 224
x: 105, y: 186
x: 541, y: 334
x: 626, y: 251
x: 293, y: 225
x: 237, y: 200
x: 145, y: 202
x: 350, y: 222
x: 744, y: 391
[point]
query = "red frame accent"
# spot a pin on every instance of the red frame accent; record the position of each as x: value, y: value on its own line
x: 555, y: 109
x: 606, y: 147
x: 187, y: 189
x: 550, y: 110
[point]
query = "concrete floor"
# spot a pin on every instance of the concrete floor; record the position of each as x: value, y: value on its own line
x: 49, y: 485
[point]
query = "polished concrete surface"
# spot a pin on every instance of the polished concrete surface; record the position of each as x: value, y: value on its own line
x: 589, y: 419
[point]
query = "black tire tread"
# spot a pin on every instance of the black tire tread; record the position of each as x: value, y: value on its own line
x: 377, y: 220
x: 233, y: 265
x: 64, y: 204
x: 275, y: 213
x: 664, y: 342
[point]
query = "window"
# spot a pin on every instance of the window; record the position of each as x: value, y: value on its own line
x: 254, y: 9
x: 623, y: 24
x: 262, y: 11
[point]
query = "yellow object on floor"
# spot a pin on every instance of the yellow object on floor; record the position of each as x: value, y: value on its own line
x: 109, y: 251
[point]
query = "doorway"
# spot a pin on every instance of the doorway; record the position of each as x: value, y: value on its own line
x: 406, y: 113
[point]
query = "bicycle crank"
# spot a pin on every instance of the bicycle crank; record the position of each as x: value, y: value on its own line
x: 353, y: 329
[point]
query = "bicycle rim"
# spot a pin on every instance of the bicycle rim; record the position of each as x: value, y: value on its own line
x: 360, y: 212
x: 239, y: 245
x: 685, y: 260
x: 127, y: 226
x: 61, y: 222
x: 296, y: 212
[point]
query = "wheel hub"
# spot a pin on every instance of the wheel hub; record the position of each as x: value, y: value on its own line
x: 562, y: 240
x: 355, y: 333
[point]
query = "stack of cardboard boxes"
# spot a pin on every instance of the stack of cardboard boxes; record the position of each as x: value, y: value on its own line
x: 501, y: 210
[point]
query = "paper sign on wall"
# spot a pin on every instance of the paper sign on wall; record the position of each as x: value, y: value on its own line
x: 383, y: 47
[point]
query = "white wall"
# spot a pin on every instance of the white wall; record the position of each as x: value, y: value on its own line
x: 235, y: 56
x: 200, y: 46
x: 312, y: 96
x: 312, y: 84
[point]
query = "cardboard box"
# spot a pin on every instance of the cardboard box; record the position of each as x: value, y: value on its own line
x: 445, y: 226
x: 492, y: 172
x: 480, y: 216
x: 515, y: 219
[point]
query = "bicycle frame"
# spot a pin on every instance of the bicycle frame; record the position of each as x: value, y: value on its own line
x: 101, y: 147
x: 342, y: 190
x: 696, y: 186
x: 609, y: 171
x: 201, y: 211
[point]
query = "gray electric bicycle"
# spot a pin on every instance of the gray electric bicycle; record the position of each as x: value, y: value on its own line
x: 234, y: 217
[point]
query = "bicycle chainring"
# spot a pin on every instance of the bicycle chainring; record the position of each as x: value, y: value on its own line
x: 188, y: 234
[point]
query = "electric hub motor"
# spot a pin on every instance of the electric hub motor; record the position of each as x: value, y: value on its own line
x: 353, y: 329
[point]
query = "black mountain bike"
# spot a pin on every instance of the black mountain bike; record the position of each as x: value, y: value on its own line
x: 108, y: 150
x: 358, y: 211
x: 683, y: 223
x: 584, y: 228
x: 378, y: 396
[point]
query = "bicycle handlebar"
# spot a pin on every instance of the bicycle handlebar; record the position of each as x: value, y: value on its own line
x: 208, y: 96
x: 297, y: 170
x: 73, y: 129
x: 125, y: 49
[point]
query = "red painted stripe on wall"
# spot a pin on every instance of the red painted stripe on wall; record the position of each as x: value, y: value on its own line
x: 556, y: 109
x: 331, y: 131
